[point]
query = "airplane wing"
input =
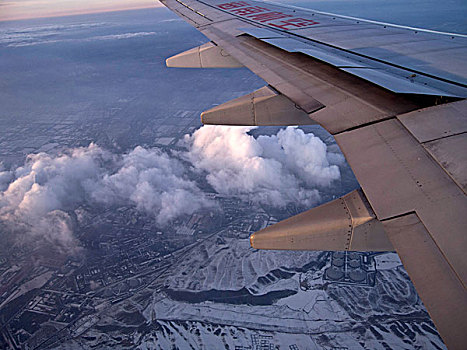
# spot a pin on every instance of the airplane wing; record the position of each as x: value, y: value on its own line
x: 394, y: 99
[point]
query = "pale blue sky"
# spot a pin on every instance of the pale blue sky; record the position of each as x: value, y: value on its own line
x: 22, y: 9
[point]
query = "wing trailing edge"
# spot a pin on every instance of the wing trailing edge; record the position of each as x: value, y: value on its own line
x: 347, y: 223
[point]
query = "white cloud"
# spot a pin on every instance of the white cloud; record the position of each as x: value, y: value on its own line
x: 36, y: 201
x: 279, y: 169
x: 290, y: 167
x: 154, y: 182
x: 5, y: 177
x: 44, y: 188
x: 305, y: 155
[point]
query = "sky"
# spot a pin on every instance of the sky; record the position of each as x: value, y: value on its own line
x: 25, y: 9
x: 423, y: 13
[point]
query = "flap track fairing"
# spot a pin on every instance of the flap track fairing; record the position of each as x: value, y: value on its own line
x: 345, y: 224
x: 208, y: 55
x: 261, y: 107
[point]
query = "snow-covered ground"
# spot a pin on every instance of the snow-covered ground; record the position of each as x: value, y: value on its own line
x: 191, y: 314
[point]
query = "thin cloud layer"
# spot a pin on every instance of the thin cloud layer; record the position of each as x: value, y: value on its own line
x: 40, y: 38
x: 36, y: 199
x: 275, y: 170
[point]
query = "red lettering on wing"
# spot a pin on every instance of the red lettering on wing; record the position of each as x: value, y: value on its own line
x: 265, y: 15
x: 233, y: 5
x: 294, y: 23
x: 244, y: 11
x: 268, y: 16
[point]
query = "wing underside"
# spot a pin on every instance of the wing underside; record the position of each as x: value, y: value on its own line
x: 393, y: 97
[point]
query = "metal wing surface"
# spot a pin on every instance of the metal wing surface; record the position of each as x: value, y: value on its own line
x: 393, y: 97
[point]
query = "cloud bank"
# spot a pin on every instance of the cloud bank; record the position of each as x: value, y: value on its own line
x: 275, y: 170
x: 36, y: 200
x: 289, y: 167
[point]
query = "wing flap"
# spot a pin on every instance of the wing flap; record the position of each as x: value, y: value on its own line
x: 399, y: 176
x: 436, y: 122
x: 402, y: 180
x: 442, y: 132
x: 438, y: 285
x: 451, y: 154
x: 403, y: 82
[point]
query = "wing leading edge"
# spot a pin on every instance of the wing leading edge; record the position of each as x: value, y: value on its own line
x: 392, y: 97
